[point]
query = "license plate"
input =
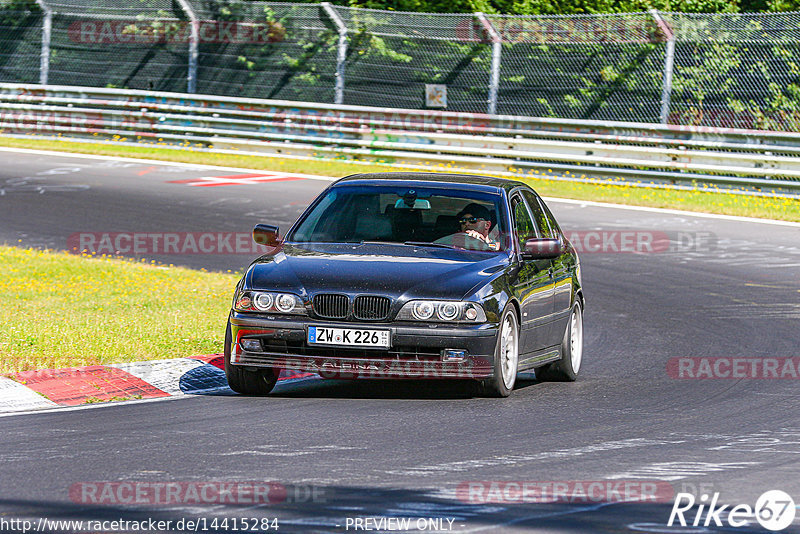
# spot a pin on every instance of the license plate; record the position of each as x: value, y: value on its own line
x: 351, y: 337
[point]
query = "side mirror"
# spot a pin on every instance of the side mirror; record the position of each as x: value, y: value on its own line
x: 266, y: 234
x: 543, y: 249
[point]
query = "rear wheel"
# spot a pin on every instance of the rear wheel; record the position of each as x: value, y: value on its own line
x: 566, y: 369
x: 244, y: 381
x: 506, y: 356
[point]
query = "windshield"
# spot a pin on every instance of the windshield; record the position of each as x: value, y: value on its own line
x: 417, y: 216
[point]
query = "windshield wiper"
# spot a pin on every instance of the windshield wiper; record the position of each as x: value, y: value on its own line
x: 428, y: 244
x: 409, y: 244
x: 380, y: 243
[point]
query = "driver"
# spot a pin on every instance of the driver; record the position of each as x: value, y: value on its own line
x: 475, y: 221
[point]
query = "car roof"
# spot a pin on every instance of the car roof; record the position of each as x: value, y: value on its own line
x: 469, y: 181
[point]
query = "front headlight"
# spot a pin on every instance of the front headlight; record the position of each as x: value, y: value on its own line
x: 446, y: 311
x: 269, y: 302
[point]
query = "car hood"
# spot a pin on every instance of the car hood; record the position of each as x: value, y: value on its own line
x: 397, y: 271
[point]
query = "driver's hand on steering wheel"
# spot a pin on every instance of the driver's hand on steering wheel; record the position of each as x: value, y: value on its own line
x: 493, y: 245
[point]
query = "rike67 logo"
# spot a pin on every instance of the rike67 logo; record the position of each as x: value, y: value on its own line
x: 774, y: 510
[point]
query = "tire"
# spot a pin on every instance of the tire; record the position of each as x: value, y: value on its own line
x: 506, y: 356
x: 246, y: 382
x: 567, y: 368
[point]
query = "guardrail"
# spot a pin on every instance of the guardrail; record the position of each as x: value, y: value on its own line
x: 497, y: 143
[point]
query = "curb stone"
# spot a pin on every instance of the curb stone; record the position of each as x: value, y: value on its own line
x: 75, y: 386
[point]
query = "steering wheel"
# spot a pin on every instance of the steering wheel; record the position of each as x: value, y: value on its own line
x: 468, y: 242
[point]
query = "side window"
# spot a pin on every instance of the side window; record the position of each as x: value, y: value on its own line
x: 552, y: 220
x: 523, y: 224
x: 540, y: 217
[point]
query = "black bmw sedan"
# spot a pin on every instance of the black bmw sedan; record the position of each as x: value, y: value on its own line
x: 411, y: 275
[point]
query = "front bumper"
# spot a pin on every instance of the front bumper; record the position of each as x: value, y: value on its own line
x: 415, y: 351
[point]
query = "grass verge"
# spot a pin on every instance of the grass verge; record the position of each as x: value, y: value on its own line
x: 710, y: 200
x: 62, y: 310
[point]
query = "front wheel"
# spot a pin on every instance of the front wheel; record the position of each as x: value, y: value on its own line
x: 506, y: 356
x: 566, y: 369
x: 244, y: 381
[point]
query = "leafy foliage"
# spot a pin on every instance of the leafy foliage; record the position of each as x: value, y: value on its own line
x: 569, y: 7
x: 17, y: 13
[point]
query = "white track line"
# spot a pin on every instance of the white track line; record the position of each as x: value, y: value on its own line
x: 673, y: 212
x: 198, y: 166
x: 98, y: 405
x: 331, y: 179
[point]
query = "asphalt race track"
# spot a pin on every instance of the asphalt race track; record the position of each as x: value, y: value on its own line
x: 338, y: 451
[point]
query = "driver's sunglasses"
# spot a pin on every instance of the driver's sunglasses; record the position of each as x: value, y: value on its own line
x: 470, y: 220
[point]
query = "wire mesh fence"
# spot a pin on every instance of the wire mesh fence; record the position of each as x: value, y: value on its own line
x: 102, y: 43
x: 726, y: 70
x: 737, y: 70
x: 266, y: 50
x: 584, y: 67
x: 21, y: 25
x: 393, y: 55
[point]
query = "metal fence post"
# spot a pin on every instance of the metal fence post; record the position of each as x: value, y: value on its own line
x: 47, y: 30
x: 341, y: 54
x: 497, y: 47
x: 194, y: 46
x: 669, y: 61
